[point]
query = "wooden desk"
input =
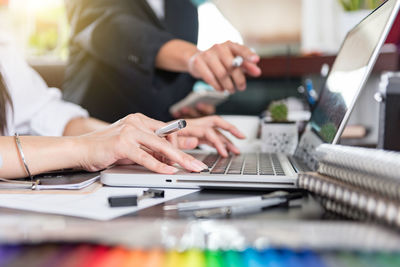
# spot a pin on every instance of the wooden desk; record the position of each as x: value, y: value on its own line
x: 298, y: 66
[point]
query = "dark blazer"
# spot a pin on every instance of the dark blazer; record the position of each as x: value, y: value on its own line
x: 114, y: 43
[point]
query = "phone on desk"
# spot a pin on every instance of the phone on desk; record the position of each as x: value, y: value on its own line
x: 207, y: 97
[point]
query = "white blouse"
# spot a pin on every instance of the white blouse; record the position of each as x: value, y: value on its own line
x: 37, y: 109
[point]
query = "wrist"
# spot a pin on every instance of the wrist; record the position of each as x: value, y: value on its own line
x: 81, y: 151
x: 175, y: 55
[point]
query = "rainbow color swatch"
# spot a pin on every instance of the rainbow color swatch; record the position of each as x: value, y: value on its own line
x: 86, y: 255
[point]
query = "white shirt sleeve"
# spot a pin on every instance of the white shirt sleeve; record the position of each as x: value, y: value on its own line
x: 158, y: 7
x: 37, y: 109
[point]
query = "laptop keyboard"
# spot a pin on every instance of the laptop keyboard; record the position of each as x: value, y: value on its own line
x: 244, y: 164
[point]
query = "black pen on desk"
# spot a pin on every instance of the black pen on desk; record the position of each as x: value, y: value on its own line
x: 133, y: 200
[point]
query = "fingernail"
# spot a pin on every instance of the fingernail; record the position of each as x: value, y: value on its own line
x: 254, y: 58
x: 198, y: 165
x: 170, y: 169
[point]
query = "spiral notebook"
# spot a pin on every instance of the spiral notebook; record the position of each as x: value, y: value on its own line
x: 356, y: 182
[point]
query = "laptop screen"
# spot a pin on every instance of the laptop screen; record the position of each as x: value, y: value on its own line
x: 349, y: 73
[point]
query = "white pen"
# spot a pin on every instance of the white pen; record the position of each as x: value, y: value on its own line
x: 171, y: 128
x: 210, y: 204
x: 244, y: 208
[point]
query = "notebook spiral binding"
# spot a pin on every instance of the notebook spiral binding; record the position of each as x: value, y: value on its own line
x: 351, y: 201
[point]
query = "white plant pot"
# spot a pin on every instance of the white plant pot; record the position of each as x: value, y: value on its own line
x: 279, y: 137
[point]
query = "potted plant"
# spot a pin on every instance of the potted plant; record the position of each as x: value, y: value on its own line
x: 277, y: 133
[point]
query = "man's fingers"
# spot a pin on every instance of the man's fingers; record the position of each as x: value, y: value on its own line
x: 245, y: 52
x: 251, y: 69
x: 207, y: 75
x: 239, y: 79
x: 221, y: 73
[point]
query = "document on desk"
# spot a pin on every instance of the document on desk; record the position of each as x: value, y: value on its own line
x: 92, y: 206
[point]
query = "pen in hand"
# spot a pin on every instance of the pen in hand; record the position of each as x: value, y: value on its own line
x: 171, y: 128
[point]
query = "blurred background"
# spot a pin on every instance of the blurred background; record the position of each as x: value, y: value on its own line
x: 271, y: 27
x: 295, y: 38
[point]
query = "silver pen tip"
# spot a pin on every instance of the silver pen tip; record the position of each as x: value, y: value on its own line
x: 170, y: 207
x: 182, y: 124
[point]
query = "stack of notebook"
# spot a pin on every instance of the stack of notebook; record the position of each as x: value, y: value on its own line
x: 360, y: 183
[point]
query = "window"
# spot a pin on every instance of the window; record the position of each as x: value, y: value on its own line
x: 41, y: 27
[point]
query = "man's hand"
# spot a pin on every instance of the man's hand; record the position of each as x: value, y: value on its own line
x: 215, y: 66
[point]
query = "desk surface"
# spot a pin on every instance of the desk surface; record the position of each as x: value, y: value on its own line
x: 298, y: 227
x: 305, y: 209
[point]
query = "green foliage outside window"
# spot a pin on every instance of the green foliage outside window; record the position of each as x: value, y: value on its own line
x: 353, y: 5
x: 50, y: 34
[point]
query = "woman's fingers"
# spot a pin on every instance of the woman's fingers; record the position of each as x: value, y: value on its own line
x: 224, y: 125
x: 173, y: 139
x: 187, y: 143
x: 206, y: 109
x: 212, y: 137
x: 143, y: 158
x: 161, y: 146
x: 147, y: 124
x: 231, y: 147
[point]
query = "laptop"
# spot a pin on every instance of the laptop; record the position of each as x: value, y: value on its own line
x: 347, y: 77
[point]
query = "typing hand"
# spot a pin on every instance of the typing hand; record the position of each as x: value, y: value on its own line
x: 215, y: 66
x: 132, y: 140
x: 207, y: 131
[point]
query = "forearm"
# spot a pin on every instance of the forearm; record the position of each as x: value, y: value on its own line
x: 41, y: 154
x: 79, y: 126
x: 175, y: 55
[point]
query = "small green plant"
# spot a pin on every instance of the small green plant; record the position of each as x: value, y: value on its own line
x: 353, y: 5
x: 328, y: 132
x: 278, y: 111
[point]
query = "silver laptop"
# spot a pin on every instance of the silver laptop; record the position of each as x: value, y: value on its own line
x: 349, y: 73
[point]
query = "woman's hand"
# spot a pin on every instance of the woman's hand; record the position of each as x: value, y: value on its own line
x: 132, y: 140
x: 206, y: 130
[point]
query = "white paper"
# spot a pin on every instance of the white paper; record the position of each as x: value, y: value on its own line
x: 93, y: 206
